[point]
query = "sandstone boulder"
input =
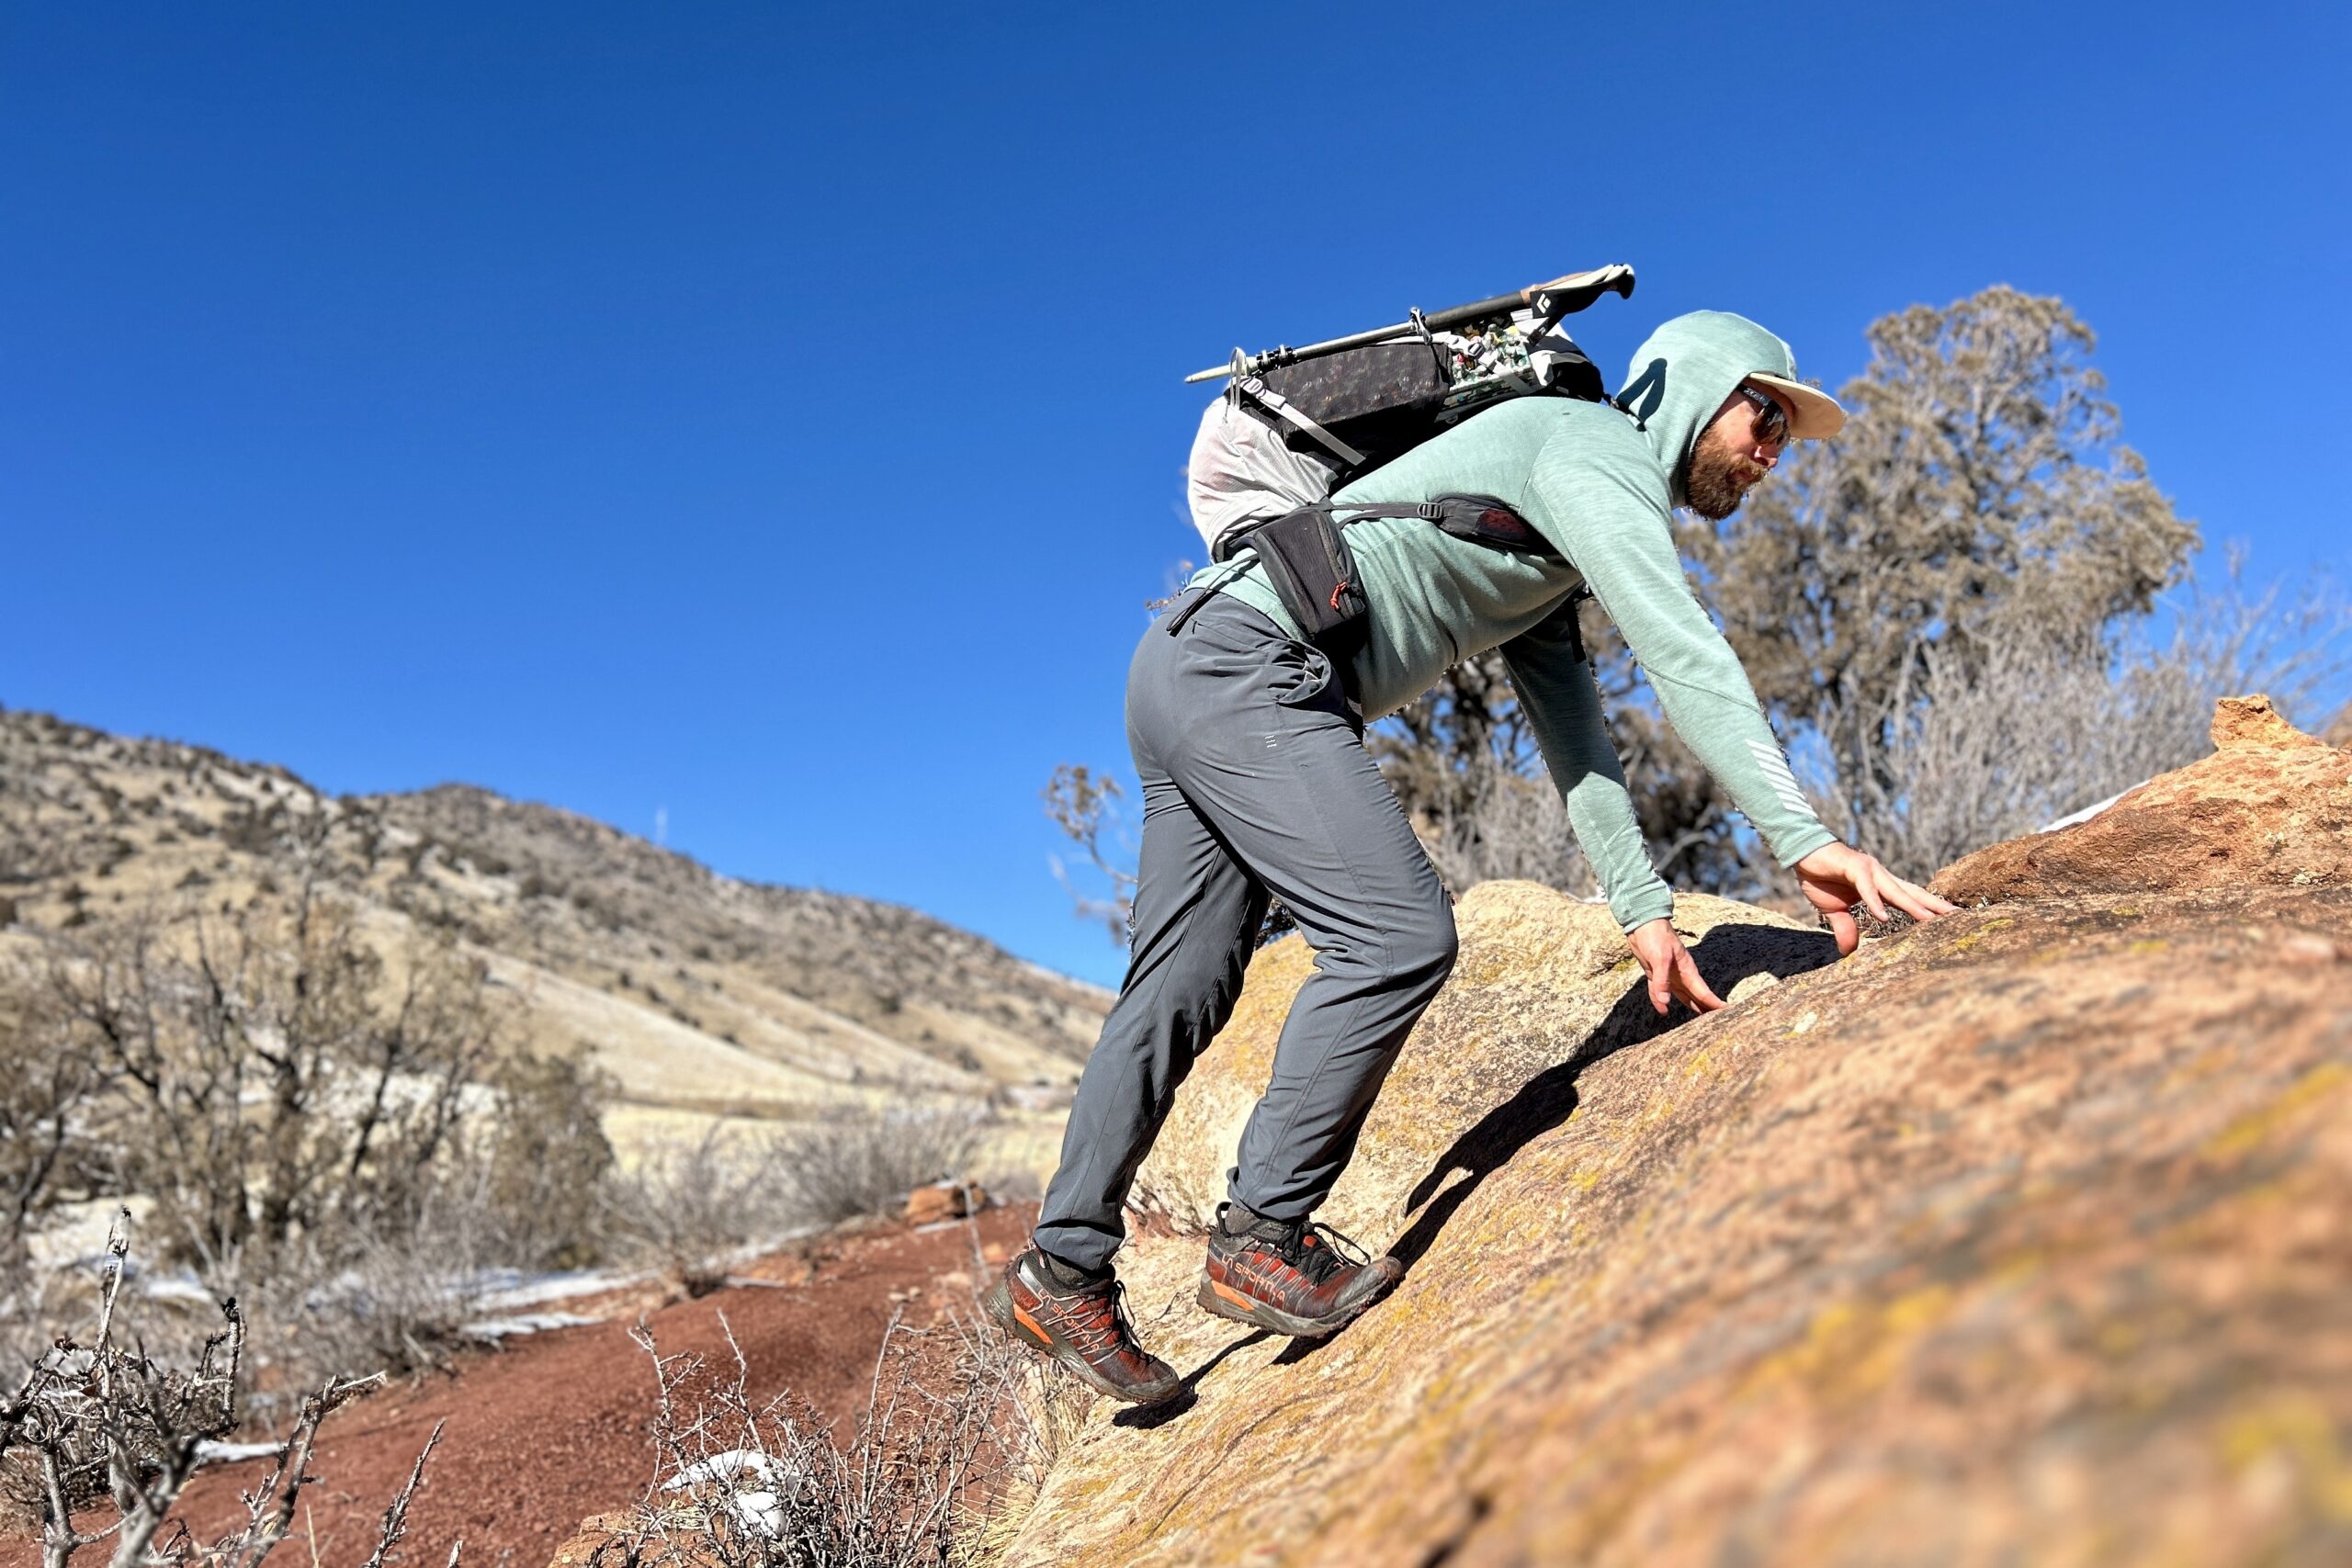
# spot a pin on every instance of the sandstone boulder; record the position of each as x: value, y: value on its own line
x: 2340, y: 732
x: 944, y: 1200
x: 1543, y: 981
x: 2017, y: 1237
x: 2272, y: 807
x: 624, y: 1538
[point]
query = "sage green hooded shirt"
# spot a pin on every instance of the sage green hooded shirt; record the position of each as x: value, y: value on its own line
x: 1599, y: 484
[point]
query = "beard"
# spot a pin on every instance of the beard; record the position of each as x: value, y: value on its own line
x: 1720, y: 477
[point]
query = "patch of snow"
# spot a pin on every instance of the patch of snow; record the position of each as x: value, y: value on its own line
x: 2078, y: 818
x: 176, y: 1288
x: 73, y: 1235
x: 761, y: 1508
x: 497, y: 1329
x: 508, y: 1290
x: 232, y: 1453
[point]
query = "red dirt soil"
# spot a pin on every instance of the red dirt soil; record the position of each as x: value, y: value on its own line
x: 555, y: 1427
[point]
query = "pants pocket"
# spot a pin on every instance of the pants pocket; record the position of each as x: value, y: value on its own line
x: 1309, y: 674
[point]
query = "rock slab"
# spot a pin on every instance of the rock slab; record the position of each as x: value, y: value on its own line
x: 2271, y: 807
x: 2019, y: 1238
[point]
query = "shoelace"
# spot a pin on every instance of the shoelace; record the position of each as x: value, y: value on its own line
x: 1319, y: 1251
x: 1090, y: 1337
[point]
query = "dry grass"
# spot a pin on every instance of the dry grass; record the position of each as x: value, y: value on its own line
x: 746, y: 1483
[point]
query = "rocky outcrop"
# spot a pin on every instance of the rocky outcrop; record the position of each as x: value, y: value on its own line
x: 1541, y: 984
x: 2016, y: 1238
x: 2340, y: 732
x: 2271, y: 807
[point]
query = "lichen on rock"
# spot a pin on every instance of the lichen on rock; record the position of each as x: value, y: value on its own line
x: 2015, y: 1237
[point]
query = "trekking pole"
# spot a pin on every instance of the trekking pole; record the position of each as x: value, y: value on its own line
x: 1561, y: 296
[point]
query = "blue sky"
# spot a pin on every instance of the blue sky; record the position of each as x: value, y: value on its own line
x: 772, y: 413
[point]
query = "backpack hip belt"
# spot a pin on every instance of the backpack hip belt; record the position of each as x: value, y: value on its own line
x: 1307, y: 563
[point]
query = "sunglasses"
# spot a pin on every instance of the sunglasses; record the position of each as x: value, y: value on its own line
x: 1771, y: 427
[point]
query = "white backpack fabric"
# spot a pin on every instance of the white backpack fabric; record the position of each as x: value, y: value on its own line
x: 1243, y: 469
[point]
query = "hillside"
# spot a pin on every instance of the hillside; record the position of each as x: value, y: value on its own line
x: 2018, y: 1237
x: 698, y: 993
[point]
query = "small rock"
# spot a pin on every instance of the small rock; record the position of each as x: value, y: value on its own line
x: 944, y: 1200
x: 2252, y: 721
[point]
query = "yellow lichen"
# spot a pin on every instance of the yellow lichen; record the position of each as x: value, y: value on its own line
x: 2293, y: 1427
x: 2251, y: 1131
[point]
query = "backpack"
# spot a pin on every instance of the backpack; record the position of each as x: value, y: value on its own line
x: 1293, y: 426
x: 1286, y: 434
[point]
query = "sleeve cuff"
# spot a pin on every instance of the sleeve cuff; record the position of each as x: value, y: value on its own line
x: 1654, y: 901
x: 1794, y: 849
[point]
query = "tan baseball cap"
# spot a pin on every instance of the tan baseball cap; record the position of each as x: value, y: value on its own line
x: 1814, y: 414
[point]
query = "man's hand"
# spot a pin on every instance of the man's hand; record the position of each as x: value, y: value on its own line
x: 1836, y: 877
x: 1668, y: 963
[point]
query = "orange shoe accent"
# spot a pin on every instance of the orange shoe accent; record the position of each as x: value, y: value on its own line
x: 1020, y: 1316
x: 1230, y: 1293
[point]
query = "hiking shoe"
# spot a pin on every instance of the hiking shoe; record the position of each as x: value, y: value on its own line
x: 1085, y: 1328
x: 1292, y: 1277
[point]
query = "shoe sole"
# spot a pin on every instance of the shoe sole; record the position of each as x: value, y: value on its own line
x: 1226, y: 1302
x: 997, y: 1303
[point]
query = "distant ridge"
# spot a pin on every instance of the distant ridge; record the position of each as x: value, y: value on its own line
x: 698, y: 992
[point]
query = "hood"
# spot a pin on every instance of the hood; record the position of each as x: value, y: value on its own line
x: 1683, y: 373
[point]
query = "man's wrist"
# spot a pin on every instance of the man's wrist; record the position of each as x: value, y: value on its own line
x: 1655, y: 902
x: 1803, y: 844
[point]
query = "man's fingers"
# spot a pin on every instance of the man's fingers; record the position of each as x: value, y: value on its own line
x: 1661, y: 995
x: 1693, y: 985
x: 1845, y: 929
x: 1867, y: 884
x: 1823, y: 899
x: 1917, y: 901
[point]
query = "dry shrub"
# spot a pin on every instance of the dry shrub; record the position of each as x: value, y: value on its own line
x: 2028, y: 731
x: 336, y: 1130
x: 746, y: 1482
x: 48, y: 1090
x: 105, y: 1422
x: 541, y: 1171
x: 687, y: 1208
x: 260, y: 1076
x: 1503, y: 821
x: 859, y: 1162
x: 390, y: 1303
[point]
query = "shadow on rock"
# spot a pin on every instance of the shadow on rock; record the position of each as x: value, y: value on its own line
x: 1725, y: 956
x: 1144, y: 1418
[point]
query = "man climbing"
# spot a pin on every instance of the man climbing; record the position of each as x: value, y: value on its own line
x: 1249, y: 745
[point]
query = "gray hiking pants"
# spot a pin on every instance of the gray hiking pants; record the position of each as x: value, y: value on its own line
x: 1255, y: 778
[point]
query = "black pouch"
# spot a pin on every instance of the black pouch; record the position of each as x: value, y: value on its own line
x: 1306, y: 559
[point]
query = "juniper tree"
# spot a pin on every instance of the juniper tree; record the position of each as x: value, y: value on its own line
x: 1980, y: 494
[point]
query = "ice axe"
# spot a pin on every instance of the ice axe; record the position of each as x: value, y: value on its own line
x: 1563, y: 296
